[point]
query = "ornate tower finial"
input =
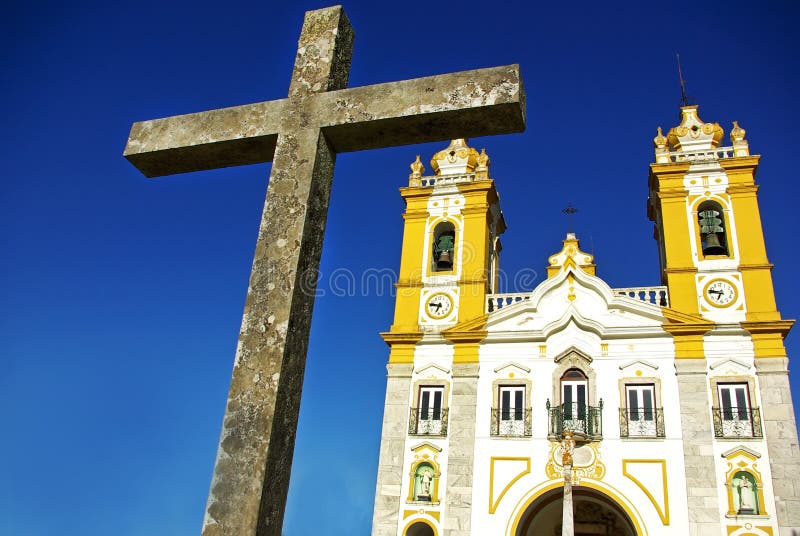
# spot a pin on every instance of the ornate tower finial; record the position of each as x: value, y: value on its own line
x: 482, y: 169
x: 740, y: 145
x: 417, y: 169
x: 660, y: 144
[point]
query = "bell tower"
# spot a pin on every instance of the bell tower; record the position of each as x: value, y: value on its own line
x: 451, y: 246
x: 708, y: 227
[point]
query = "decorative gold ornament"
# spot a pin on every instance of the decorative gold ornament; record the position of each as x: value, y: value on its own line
x: 482, y: 170
x: 456, y: 158
x: 737, y: 133
x: 660, y: 141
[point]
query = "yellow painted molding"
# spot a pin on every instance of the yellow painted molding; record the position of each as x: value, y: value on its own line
x: 775, y: 326
x: 662, y: 513
x: 466, y: 352
x: 767, y: 337
x: 392, y: 338
x: 679, y: 317
x: 494, y: 503
x: 476, y: 326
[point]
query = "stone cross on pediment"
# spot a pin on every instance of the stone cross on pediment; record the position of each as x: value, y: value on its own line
x: 301, y: 135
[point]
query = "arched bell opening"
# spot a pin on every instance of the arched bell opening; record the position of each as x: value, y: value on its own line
x: 595, y: 514
x: 713, y: 236
x: 444, y: 240
x: 419, y: 529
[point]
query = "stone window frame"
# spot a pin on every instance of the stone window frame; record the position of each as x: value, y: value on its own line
x: 511, y: 382
x: 655, y: 381
x: 574, y: 358
x: 750, y: 380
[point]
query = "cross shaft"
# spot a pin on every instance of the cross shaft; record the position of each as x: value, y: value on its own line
x: 301, y: 135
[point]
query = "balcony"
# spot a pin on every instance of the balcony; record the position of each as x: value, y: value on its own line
x: 641, y: 422
x: 737, y: 422
x: 427, y: 421
x: 511, y: 423
x: 580, y: 419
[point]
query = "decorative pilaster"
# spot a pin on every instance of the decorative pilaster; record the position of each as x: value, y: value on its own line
x: 390, y: 462
x: 780, y: 432
x: 461, y: 456
x: 701, y: 480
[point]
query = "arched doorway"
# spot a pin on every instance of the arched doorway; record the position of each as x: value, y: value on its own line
x: 595, y: 515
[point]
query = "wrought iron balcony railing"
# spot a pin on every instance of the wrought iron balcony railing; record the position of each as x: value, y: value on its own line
x: 737, y: 422
x: 641, y: 422
x: 577, y: 418
x: 428, y: 421
x: 511, y: 422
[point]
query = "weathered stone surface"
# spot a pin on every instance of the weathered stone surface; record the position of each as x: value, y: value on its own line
x: 697, y: 446
x: 390, y: 461
x: 301, y: 135
x: 461, y: 455
x: 780, y: 431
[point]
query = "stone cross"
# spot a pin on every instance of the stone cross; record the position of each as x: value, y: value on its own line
x: 301, y: 135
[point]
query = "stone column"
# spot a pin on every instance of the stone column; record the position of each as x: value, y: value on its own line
x: 698, y: 453
x: 567, y: 521
x: 461, y: 450
x: 393, y: 440
x: 780, y: 431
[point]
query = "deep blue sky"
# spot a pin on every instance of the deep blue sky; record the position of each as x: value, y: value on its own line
x: 122, y: 296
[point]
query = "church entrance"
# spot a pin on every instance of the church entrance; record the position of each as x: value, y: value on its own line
x: 595, y: 515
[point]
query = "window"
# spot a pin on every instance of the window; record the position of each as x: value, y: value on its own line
x: 444, y: 239
x: 573, y: 397
x: 430, y: 417
x: 512, y: 417
x: 711, y: 220
x: 735, y: 417
x: 641, y: 417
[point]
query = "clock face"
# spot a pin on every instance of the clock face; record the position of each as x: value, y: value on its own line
x: 720, y: 293
x: 439, y: 306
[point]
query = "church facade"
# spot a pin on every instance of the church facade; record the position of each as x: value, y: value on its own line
x: 666, y: 410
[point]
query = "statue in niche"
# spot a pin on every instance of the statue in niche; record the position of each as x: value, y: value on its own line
x: 744, y: 491
x: 424, y: 482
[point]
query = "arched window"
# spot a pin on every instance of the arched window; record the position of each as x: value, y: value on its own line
x: 574, y: 387
x: 444, y: 243
x: 745, y: 494
x: 423, y: 482
x: 711, y: 220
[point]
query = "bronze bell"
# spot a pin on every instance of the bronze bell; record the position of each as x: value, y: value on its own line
x: 444, y: 260
x: 712, y: 245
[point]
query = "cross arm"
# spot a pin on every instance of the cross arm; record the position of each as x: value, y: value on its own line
x: 466, y: 104
x: 206, y: 140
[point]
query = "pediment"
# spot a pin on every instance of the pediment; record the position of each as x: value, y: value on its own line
x: 573, y: 355
x: 511, y: 364
x: 640, y: 363
x: 425, y: 445
x: 573, y: 296
x: 433, y: 367
x: 730, y: 367
x: 741, y: 450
